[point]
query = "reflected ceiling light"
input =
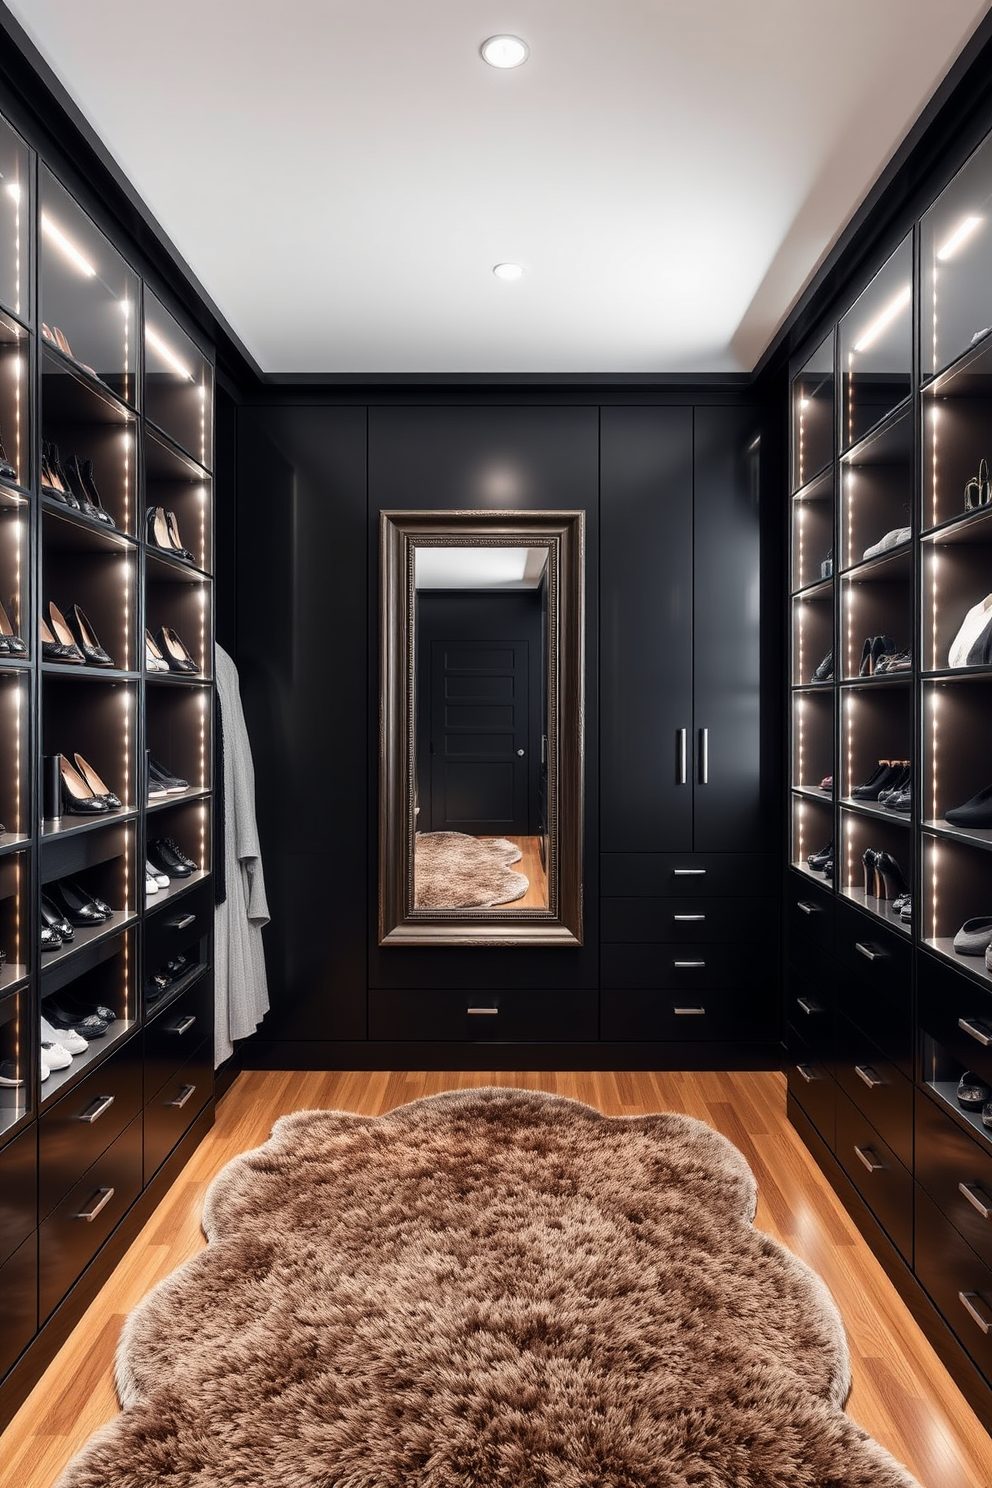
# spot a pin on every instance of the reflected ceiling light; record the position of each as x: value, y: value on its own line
x: 507, y: 270
x: 887, y: 316
x: 66, y: 246
x: 167, y: 354
x: 504, y: 51
x: 960, y: 235
x: 14, y: 189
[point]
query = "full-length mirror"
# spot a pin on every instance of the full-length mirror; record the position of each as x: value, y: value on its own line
x: 480, y: 814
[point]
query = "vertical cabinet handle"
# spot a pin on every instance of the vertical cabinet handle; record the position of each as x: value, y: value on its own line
x: 704, y: 756
x: 683, y: 765
x: 977, y: 1309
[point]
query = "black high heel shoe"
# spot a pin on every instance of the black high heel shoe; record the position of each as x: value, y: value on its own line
x: 868, y: 859
x: 875, y: 647
x: 817, y: 859
x: 889, y: 881
x: 89, y: 486
x: 162, y: 532
x: 7, y: 470
x: 63, y: 484
x: 80, y: 908
x: 95, y: 784
x: 15, y: 646
x: 175, y: 653
x: 56, y: 920
x: 87, y: 640
x: 77, y: 797
x: 59, y: 629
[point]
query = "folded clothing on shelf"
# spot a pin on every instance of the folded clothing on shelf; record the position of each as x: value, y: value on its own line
x: 892, y: 539
x: 971, y: 633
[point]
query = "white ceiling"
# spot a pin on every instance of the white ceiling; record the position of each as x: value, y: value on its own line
x: 342, y: 177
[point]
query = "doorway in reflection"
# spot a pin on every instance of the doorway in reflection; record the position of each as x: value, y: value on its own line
x: 481, y: 701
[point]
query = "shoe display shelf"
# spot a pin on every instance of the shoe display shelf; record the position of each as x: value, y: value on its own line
x: 888, y: 1017
x: 106, y: 413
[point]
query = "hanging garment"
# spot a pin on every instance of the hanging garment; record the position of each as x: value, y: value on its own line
x: 241, y: 995
x: 971, y: 628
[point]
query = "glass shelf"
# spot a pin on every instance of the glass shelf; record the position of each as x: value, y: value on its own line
x: 179, y: 383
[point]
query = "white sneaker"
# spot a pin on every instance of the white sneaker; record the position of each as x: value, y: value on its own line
x: 151, y: 887
x: 67, y: 1037
x: 162, y: 879
x: 56, y: 1056
x: 45, y: 1067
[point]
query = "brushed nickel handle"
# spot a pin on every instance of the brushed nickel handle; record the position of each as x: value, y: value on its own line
x: 869, y: 1159
x: 688, y: 872
x: 103, y: 1197
x: 704, y: 756
x: 804, y: 906
x: 93, y: 1113
x: 870, y: 953
x: 808, y: 1006
x: 683, y: 766
x: 867, y: 1074
x: 687, y: 919
x: 183, y: 923
x: 184, y: 1025
x: 680, y: 964
x: 972, y: 1302
x: 184, y: 1094
x: 977, y: 1198
x: 689, y: 1012
x: 483, y: 1012
x: 806, y: 1073
x: 976, y: 1030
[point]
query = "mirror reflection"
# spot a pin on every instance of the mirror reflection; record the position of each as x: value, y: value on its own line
x: 480, y: 814
x: 481, y: 727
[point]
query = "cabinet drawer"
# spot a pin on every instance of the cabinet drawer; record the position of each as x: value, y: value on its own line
x: 811, y: 1084
x: 638, y: 921
x: 690, y: 967
x: 18, y: 1302
x: 82, y: 1125
x: 956, y: 1171
x: 541, y: 1016
x: 810, y: 1007
x: 810, y: 917
x: 956, y: 1279
x: 878, y: 1175
x: 888, y: 1026
x: 699, y: 875
x: 172, y: 1110
x: 179, y: 1029
x: 881, y: 959
x: 879, y: 1090
x: 19, y: 1187
x: 669, y: 1017
x: 178, y: 924
x: 72, y: 1234
x: 957, y: 1012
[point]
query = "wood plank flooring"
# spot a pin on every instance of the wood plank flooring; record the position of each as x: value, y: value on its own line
x: 902, y: 1395
x: 532, y: 868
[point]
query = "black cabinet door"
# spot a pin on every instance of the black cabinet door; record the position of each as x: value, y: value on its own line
x: 646, y: 737
x: 726, y: 632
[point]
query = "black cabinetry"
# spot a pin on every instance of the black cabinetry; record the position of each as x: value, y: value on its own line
x: 106, y: 416
x: 890, y: 883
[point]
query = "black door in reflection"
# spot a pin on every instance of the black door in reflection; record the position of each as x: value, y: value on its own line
x: 481, y: 681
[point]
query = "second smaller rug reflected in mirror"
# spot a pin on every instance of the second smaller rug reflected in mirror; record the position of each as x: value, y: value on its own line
x: 455, y: 871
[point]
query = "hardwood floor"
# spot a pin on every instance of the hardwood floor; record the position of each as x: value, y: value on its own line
x: 532, y: 868
x: 902, y: 1395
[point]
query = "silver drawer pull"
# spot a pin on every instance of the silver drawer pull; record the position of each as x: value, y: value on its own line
x: 807, y: 1006
x: 976, y: 1030
x: 184, y: 1025
x: 869, y: 1159
x: 977, y: 1308
x: 870, y: 953
x: 183, y: 923
x: 806, y: 1073
x: 704, y: 756
x: 688, y: 872
x: 867, y: 1074
x: 103, y: 1197
x: 182, y: 1097
x: 681, y: 964
x: 481, y: 1012
x: 977, y: 1199
x: 804, y: 907
x: 687, y: 919
x: 93, y: 1113
x: 689, y: 1012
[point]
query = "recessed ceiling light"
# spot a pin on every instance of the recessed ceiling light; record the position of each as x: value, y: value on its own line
x: 507, y: 271
x: 504, y: 51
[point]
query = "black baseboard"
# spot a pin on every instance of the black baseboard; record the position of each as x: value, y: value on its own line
x: 269, y: 1054
x: 36, y: 1358
x: 965, y: 1374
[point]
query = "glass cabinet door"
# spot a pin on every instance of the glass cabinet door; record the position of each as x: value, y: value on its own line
x: 178, y: 383
x: 876, y: 347
x: 956, y: 254
x: 813, y: 415
x: 15, y: 207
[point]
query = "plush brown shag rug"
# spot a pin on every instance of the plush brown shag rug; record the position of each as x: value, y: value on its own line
x: 454, y: 871
x: 485, y: 1288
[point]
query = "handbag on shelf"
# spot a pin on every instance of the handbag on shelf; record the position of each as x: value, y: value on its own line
x: 978, y: 491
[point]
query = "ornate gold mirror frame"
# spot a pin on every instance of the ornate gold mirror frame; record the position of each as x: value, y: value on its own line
x: 562, y: 534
